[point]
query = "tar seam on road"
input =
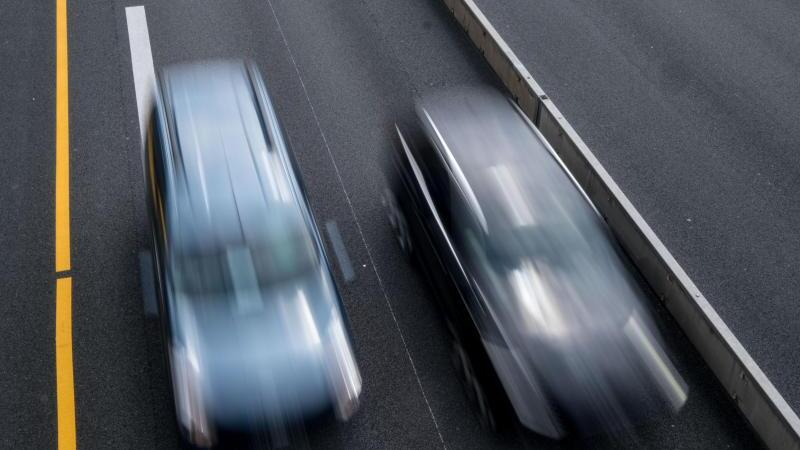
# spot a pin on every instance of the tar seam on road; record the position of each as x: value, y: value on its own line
x: 358, y: 225
x: 65, y: 384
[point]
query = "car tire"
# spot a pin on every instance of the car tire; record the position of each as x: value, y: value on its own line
x: 397, y: 219
x: 474, y: 388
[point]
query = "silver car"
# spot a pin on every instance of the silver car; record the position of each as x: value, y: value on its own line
x: 255, y: 330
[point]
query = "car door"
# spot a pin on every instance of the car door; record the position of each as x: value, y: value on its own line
x: 448, y: 207
x: 467, y: 234
x: 159, y: 166
x: 429, y: 184
x: 410, y: 186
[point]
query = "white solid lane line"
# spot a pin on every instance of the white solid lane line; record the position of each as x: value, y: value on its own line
x: 144, y: 78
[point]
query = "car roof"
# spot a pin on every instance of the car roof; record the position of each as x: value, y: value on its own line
x: 480, y: 126
x: 484, y: 139
x: 231, y: 177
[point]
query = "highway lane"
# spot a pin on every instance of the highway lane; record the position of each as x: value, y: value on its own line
x: 340, y: 74
x: 353, y: 78
x: 118, y: 361
x: 692, y: 107
x: 27, y: 281
x: 395, y: 411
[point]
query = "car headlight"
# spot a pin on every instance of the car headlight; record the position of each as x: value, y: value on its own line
x: 189, y: 403
x: 343, y: 373
x: 657, y: 362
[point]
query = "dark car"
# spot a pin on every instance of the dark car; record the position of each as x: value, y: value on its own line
x: 546, y: 312
x: 254, y: 327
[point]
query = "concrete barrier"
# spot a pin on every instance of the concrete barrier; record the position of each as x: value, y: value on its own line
x: 752, y: 392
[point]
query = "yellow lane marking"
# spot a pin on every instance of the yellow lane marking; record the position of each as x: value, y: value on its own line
x: 62, y: 140
x: 65, y: 390
x: 65, y: 386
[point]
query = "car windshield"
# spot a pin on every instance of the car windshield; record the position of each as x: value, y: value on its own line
x: 528, y: 212
x: 241, y: 268
x: 550, y: 243
x: 540, y: 243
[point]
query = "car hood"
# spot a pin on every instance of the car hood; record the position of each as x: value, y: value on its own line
x: 592, y: 353
x: 263, y: 355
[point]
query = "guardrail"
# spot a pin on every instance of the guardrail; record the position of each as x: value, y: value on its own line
x: 755, y: 396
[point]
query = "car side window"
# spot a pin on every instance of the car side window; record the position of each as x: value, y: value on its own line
x: 156, y: 175
x: 158, y: 156
x: 466, y: 233
x: 438, y: 181
x: 461, y: 225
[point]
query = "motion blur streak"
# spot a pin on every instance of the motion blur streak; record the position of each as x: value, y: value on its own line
x: 555, y: 303
x: 255, y: 328
x: 555, y: 277
x: 538, y: 241
x: 668, y: 379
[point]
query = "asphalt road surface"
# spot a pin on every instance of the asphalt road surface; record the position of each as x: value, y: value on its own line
x: 340, y: 73
x: 693, y: 109
x: 27, y: 286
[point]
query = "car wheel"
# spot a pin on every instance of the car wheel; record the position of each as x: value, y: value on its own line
x: 397, y: 219
x: 473, y: 386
